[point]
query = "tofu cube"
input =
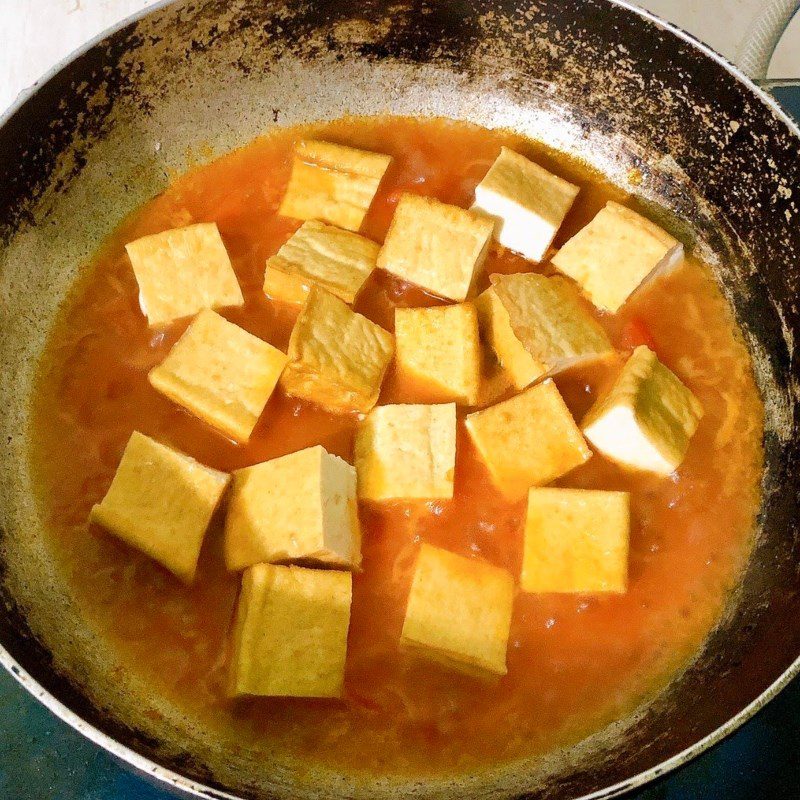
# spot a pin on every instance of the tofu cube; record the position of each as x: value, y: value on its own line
x: 439, y: 348
x: 183, y: 271
x: 616, y: 252
x: 576, y: 540
x: 496, y: 331
x: 437, y: 246
x: 324, y: 255
x: 220, y: 373
x: 647, y: 418
x: 459, y: 612
x: 337, y: 358
x: 300, y: 507
x: 528, y: 440
x: 161, y: 502
x: 333, y: 183
x: 551, y: 320
x: 290, y: 632
x: 527, y: 202
x: 407, y: 452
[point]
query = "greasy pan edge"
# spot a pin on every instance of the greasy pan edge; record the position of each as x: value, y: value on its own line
x: 179, y: 782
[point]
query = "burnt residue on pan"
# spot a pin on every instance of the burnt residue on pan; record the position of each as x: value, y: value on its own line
x: 597, y: 80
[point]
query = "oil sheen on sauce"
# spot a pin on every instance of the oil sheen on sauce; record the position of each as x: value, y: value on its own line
x: 575, y: 662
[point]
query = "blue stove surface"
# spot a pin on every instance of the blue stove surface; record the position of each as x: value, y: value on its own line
x: 42, y: 758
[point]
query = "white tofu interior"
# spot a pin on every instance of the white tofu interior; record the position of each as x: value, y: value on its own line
x: 618, y: 431
x: 647, y: 418
x: 527, y: 202
x: 518, y: 228
x: 338, y: 484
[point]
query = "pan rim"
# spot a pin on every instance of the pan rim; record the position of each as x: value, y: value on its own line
x: 150, y: 768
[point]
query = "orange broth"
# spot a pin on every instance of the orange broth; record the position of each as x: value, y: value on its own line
x: 575, y: 662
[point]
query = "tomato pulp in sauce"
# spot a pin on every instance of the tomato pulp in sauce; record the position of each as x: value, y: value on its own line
x: 574, y: 661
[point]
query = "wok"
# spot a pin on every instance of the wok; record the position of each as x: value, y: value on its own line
x: 625, y: 93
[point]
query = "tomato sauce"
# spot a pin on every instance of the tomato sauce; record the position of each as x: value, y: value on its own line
x: 575, y: 662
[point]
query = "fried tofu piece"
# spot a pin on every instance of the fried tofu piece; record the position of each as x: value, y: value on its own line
x: 527, y: 202
x: 495, y: 329
x: 333, y: 183
x: 615, y: 253
x: 551, y: 321
x: 647, y: 418
x: 330, y: 257
x: 576, y: 540
x: 220, y: 373
x: 437, y: 246
x: 439, y: 348
x: 528, y: 440
x: 407, y: 452
x: 161, y: 502
x: 300, y: 507
x: 290, y: 632
x: 459, y: 612
x: 183, y: 271
x: 337, y: 358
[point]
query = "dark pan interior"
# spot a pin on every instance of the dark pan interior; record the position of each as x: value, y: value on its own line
x: 596, y: 80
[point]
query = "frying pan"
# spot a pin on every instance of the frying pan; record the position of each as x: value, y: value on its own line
x: 612, y: 86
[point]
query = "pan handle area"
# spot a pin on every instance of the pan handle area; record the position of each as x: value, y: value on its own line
x: 762, y: 37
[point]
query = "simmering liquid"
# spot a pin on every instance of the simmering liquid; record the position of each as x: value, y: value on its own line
x: 575, y: 662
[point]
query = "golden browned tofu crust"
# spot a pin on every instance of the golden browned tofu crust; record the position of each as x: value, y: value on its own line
x: 333, y: 183
x: 183, y: 271
x: 407, y: 452
x: 494, y: 325
x: 617, y: 251
x: 330, y: 257
x: 527, y: 202
x: 337, y: 358
x: 220, y: 373
x: 290, y: 632
x: 161, y: 502
x: 300, y: 507
x: 439, y: 349
x: 459, y: 612
x: 552, y: 321
x: 576, y: 540
x: 437, y: 246
x: 528, y: 440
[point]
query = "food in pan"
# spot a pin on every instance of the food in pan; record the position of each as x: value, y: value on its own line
x: 399, y: 444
